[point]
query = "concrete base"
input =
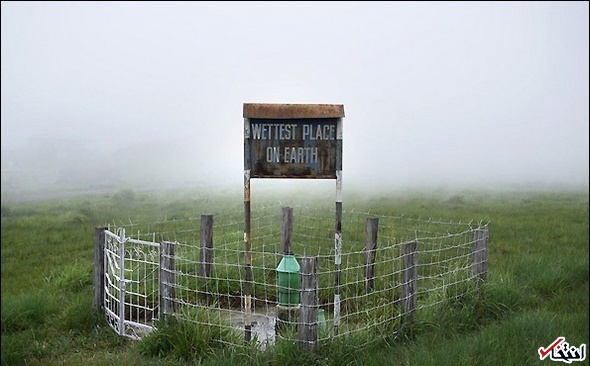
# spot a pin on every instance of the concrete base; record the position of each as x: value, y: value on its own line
x: 287, y: 317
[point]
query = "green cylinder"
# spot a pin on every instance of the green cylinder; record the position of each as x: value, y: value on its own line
x: 288, y: 281
x: 322, y: 323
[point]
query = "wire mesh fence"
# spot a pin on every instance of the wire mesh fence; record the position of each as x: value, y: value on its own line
x: 393, y: 269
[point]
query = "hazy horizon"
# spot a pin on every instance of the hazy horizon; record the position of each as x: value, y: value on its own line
x: 457, y: 95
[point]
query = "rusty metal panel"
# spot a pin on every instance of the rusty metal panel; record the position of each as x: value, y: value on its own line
x: 293, y: 148
x: 289, y: 111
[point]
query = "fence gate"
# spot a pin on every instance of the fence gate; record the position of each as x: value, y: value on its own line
x: 131, y: 290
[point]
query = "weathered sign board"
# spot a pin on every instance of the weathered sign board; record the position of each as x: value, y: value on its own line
x: 293, y: 140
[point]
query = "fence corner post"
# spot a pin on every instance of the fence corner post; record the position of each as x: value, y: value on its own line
x: 99, y: 242
x: 410, y: 279
x: 167, y: 279
x: 308, y: 312
x: 480, y: 255
x: 371, y: 228
x: 206, y: 239
x: 287, y: 278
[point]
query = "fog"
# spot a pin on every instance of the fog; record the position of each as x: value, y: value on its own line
x: 104, y: 95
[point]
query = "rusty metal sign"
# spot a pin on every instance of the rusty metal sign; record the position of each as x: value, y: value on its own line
x: 293, y: 141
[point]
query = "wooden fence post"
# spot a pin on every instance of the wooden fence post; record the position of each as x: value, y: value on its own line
x: 480, y: 255
x: 167, y: 279
x: 99, y: 241
x: 371, y: 229
x: 287, y: 313
x: 206, y: 251
x: 308, y: 312
x: 409, y: 279
x: 287, y: 231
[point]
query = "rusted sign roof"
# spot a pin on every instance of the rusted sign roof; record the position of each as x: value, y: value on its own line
x: 287, y: 111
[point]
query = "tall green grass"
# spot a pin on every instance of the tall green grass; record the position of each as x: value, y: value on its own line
x: 537, y: 286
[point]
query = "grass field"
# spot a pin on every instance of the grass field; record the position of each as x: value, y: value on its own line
x: 537, y: 286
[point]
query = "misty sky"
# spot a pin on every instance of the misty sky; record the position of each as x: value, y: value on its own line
x: 435, y: 93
